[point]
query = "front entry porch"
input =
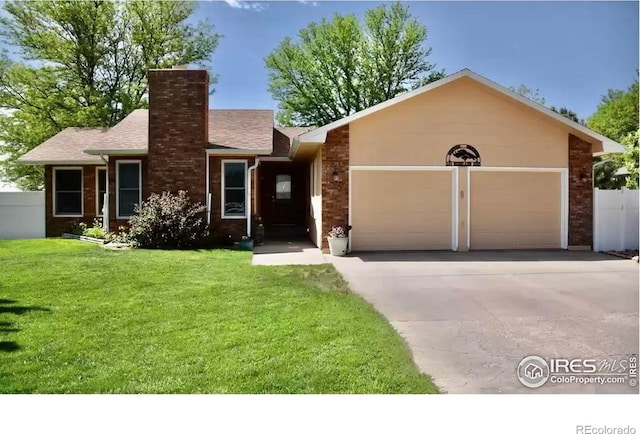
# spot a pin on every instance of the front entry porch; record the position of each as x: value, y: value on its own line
x: 283, y: 199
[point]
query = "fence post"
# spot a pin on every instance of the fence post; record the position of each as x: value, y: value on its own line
x: 596, y: 241
x: 623, y: 218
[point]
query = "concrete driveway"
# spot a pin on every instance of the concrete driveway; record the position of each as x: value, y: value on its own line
x: 470, y: 317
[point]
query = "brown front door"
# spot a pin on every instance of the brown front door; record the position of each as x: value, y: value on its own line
x: 282, y: 194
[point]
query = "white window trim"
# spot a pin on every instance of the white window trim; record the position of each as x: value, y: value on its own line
x: 98, y: 169
x: 118, y: 163
x: 53, y: 195
x: 222, y: 190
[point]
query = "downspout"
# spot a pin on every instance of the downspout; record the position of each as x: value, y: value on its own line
x: 208, y: 194
x: 105, y: 208
x: 249, y: 171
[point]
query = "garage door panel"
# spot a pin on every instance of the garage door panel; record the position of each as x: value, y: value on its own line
x: 515, y: 210
x: 525, y: 221
x: 537, y: 239
x: 401, y: 210
x: 401, y: 241
x: 414, y: 222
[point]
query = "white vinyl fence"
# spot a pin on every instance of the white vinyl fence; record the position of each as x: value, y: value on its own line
x: 615, y: 219
x: 21, y: 214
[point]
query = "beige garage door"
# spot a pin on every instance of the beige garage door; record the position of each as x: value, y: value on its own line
x: 400, y: 210
x: 515, y: 210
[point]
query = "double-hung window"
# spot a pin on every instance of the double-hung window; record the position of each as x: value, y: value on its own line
x: 128, y: 187
x: 67, y: 192
x: 101, y: 188
x: 234, y: 188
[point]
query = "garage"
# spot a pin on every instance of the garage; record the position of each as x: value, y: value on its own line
x: 402, y: 208
x: 459, y: 164
x: 516, y: 209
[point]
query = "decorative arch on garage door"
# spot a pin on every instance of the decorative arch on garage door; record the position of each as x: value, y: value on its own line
x: 463, y: 155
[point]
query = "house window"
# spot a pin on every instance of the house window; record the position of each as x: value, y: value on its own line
x: 283, y: 187
x: 234, y: 193
x: 128, y: 187
x: 67, y: 188
x: 101, y: 189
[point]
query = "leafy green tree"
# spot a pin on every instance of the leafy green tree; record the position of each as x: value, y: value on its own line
x: 617, y: 113
x: 527, y: 92
x: 84, y: 63
x: 604, y: 173
x: 341, y: 66
x: 568, y: 113
x: 630, y: 158
x: 617, y: 118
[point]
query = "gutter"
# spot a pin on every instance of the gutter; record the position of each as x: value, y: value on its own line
x: 207, y: 181
x: 116, y: 151
x: 294, y: 147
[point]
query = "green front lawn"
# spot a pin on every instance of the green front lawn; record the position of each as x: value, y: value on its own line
x: 75, y: 318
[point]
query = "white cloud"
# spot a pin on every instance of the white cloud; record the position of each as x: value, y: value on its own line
x: 307, y: 2
x: 254, y: 6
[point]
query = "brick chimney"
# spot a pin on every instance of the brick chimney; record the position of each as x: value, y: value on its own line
x: 178, y: 131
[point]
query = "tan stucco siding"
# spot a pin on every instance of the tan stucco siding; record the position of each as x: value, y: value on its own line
x: 315, y: 184
x: 515, y: 210
x: 401, y: 210
x: 422, y: 129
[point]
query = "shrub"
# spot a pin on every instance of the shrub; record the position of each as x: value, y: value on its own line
x: 95, y: 231
x: 120, y: 237
x: 169, y: 221
x: 78, y: 228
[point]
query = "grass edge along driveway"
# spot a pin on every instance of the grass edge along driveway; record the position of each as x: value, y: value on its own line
x: 75, y: 318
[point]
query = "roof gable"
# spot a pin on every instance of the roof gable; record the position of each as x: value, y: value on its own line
x: 319, y: 134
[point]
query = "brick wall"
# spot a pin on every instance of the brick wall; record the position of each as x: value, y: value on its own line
x: 55, y: 226
x: 115, y: 223
x: 222, y: 228
x: 178, y: 131
x: 580, y: 193
x: 335, y: 195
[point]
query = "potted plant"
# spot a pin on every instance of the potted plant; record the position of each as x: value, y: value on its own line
x: 258, y: 230
x: 245, y: 243
x: 338, y: 240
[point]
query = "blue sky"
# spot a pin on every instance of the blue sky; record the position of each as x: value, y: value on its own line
x: 572, y: 51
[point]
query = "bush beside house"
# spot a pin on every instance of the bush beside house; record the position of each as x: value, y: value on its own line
x: 169, y: 221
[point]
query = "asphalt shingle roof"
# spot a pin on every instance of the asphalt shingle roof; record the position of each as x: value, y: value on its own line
x: 231, y: 129
x: 67, y: 146
x: 241, y: 129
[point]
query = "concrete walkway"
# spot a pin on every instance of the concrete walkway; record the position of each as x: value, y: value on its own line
x: 469, y: 318
x: 297, y: 252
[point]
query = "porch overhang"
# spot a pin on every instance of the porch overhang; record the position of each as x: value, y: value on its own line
x: 308, y: 147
